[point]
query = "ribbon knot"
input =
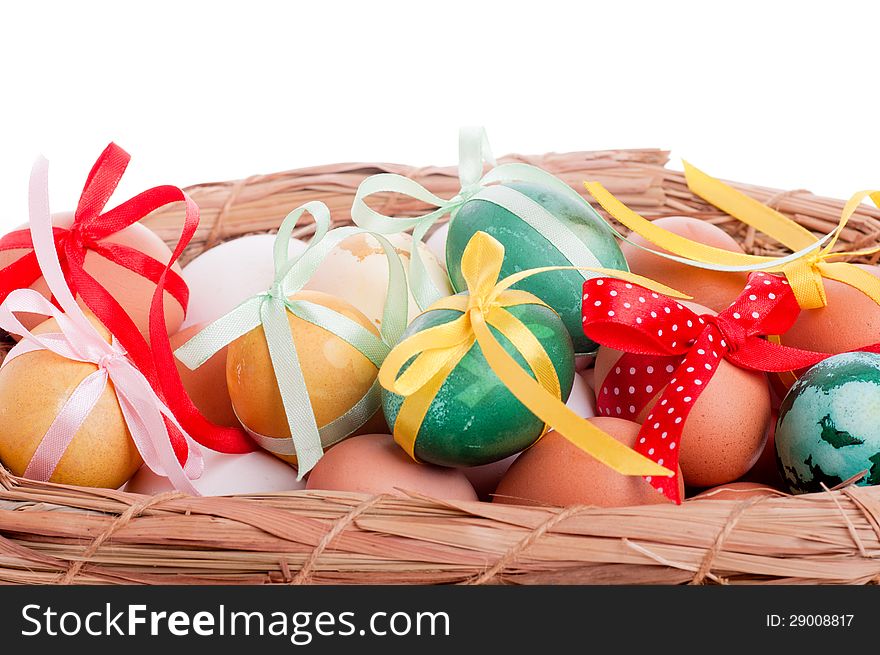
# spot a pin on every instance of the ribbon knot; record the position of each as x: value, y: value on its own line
x: 436, y: 351
x: 667, y: 346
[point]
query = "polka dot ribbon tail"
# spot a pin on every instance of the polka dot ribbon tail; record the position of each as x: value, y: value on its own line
x: 665, y: 344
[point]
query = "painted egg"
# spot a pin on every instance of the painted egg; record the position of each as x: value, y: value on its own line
x: 357, y: 271
x: 206, y: 385
x: 373, y: 464
x: 224, y: 475
x: 726, y: 429
x: 738, y: 491
x: 437, y: 243
x: 132, y: 291
x: 336, y: 374
x: 829, y: 424
x: 474, y: 419
x: 556, y: 472
x: 224, y: 276
x: 34, y: 388
x: 713, y: 289
x: 526, y: 247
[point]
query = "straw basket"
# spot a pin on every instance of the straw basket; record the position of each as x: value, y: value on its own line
x: 61, y: 534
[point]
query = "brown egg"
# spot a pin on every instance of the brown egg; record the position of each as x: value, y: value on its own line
x: 336, y: 374
x: 766, y: 470
x: 714, y: 289
x: 374, y: 464
x: 851, y: 320
x: 738, y: 491
x: 485, y: 478
x: 556, y: 472
x: 33, y: 389
x: 131, y: 290
x: 726, y: 429
x: 206, y: 385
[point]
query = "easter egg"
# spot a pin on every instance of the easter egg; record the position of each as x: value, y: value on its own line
x: 132, y: 291
x: 224, y: 276
x: 713, y: 289
x: 829, y: 424
x: 726, y: 429
x: 849, y: 321
x: 437, y: 243
x: 206, y: 385
x: 225, y: 474
x: 357, y: 271
x: 373, y: 464
x: 556, y: 472
x: 526, y: 247
x: 474, y: 419
x: 738, y: 491
x: 336, y: 374
x: 34, y: 387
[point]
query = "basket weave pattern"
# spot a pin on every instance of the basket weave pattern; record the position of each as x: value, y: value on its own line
x: 53, y: 534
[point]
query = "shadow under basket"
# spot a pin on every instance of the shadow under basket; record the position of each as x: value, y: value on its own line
x: 52, y: 534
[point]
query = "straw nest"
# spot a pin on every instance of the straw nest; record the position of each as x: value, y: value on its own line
x: 62, y: 534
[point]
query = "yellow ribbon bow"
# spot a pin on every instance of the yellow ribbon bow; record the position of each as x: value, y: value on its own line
x: 804, y: 269
x: 438, y: 350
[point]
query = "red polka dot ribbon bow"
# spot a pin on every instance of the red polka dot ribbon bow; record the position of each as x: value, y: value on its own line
x: 89, y: 228
x: 666, y: 344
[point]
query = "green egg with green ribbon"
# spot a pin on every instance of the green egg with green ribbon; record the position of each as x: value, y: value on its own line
x: 539, y: 226
x: 474, y: 418
x: 829, y: 424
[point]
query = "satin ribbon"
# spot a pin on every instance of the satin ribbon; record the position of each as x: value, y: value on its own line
x: 804, y: 269
x: 438, y: 350
x: 474, y: 152
x: 269, y: 310
x: 668, y: 345
x: 145, y: 414
x: 153, y: 359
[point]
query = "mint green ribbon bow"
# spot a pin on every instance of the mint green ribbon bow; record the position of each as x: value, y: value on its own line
x: 473, y: 152
x: 270, y: 308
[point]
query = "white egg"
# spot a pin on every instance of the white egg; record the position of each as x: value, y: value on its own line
x: 224, y: 276
x: 248, y: 473
x: 357, y: 271
x: 582, y: 401
x: 437, y: 243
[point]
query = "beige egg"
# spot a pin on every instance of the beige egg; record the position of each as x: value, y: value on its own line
x: 206, y: 385
x: 33, y: 389
x: 132, y: 291
x: 725, y: 431
x: 556, y: 472
x: 226, y: 275
x: 224, y: 475
x: 357, y: 272
x: 336, y: 374
x: 374, y: 464
x: 714, y: 289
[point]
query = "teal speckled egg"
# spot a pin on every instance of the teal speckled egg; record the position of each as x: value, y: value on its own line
x: 525, y: 248
x: 474, y: 419
x: 829, y: 424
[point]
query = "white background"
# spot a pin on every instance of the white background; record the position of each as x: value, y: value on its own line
x: 780, y: 93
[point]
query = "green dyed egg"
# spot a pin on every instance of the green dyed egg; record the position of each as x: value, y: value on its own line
x: 525, y: 248
x: 474, y: 419
x: 829, y: 424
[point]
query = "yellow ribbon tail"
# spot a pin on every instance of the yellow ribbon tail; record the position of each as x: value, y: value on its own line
x: 674, y: 243
x: 746, y: 209
x: 553, y: 411
x: 853, y: 276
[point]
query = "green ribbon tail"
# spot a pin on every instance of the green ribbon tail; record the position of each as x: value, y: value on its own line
x: 219, y: 334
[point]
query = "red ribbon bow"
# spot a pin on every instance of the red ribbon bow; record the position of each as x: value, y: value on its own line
x: 89, y: 228
x: 681, y: 350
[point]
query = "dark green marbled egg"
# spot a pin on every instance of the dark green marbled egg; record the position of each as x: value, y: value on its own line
x: 474, y: 419
x: 525, y: 248
x: 829, y: 424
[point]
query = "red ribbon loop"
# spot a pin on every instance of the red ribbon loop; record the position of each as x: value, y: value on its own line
x: 668, y: 346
